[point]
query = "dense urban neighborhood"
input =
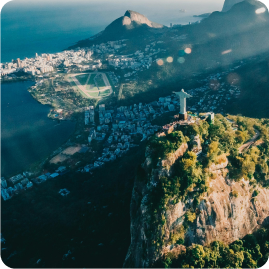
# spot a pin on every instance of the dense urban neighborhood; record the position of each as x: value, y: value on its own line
x: 84, y: 59
x: 118, y: 129
x: 75, y: 81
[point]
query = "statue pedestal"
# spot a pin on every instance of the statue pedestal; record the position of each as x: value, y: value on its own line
x: 183, y: 116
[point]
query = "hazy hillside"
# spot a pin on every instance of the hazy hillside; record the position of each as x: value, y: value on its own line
x: 228, y: 4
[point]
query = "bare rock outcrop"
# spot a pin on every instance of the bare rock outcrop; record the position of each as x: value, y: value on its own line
x: 172, y: 157
x: 139, y: 18
x: 131, y: 20
x: 227, y: 212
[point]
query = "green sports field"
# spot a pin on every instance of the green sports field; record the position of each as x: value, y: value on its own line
x: 100, y: 82
x: 91, y: 79
x: 90, y: 84
x: 82, y: 79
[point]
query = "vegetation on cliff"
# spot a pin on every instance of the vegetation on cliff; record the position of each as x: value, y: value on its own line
x: 238, y: 143
x: 162, y: 146
x: 250, y: 252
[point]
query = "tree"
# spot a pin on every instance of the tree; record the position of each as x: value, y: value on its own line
x: 248, y: 167
x: 213, y: 150
x: 248, y: 261
x: 197, y: 255
x: 190, y: 216
x: 189, y: 160
x: 240, y: 136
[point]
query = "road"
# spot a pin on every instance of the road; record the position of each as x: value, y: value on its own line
x: 250, y: 142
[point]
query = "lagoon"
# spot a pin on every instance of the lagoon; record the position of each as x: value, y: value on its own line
x: 27, y: 134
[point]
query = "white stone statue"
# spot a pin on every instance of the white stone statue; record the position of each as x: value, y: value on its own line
x: 182, y: 95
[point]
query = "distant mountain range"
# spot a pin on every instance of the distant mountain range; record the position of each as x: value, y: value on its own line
x: 239, y: 16
x: 131, y: 24
x: 204, y: 15
x: 228, y: 4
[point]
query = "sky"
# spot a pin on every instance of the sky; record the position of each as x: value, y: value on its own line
x: 114, y: 1
x: 48, y: 26
x: 105, y: 11
x: 147, y: 6
x: 131, y: 2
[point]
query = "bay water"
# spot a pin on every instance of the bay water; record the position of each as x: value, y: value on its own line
x: 27, y: 134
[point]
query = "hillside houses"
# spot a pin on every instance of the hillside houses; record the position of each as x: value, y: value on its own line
x: 3, y: 183
x: 16, y: 184
x: 214, y: 95
x: 119, y: 126
x: 5, y: 194
x: 20, y: 183
x: 137, y: 61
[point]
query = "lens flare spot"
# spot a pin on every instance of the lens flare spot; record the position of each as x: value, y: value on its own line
x: 181, y: 60
x: 160, y: 62
x: 214, y: 84
x: 170, y: 59
x: 260, y: 10
x: 226, y: 52
x: 188, y: 50
x: 233, y: 79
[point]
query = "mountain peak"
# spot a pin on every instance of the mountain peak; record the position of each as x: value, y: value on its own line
x: 129, y: 23
x: 133, y: 16
x: 228, y: 4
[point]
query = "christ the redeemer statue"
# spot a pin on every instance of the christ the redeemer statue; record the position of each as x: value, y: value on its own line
x: 182, y: 96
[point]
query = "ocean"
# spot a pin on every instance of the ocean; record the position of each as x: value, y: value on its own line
x: 29, y: 27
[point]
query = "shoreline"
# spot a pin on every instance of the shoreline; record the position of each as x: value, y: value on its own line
x: 16, y: 80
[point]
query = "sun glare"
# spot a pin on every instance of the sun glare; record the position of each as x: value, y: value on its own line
x: 260, y: 10
x: 188, y: 50
x: 160, y: 62
x: 226, y: 51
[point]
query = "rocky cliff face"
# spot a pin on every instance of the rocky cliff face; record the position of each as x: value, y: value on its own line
x: 132, y: 16
x: 228, y: 211
x: 141, y: 253
x: 131, y: 20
